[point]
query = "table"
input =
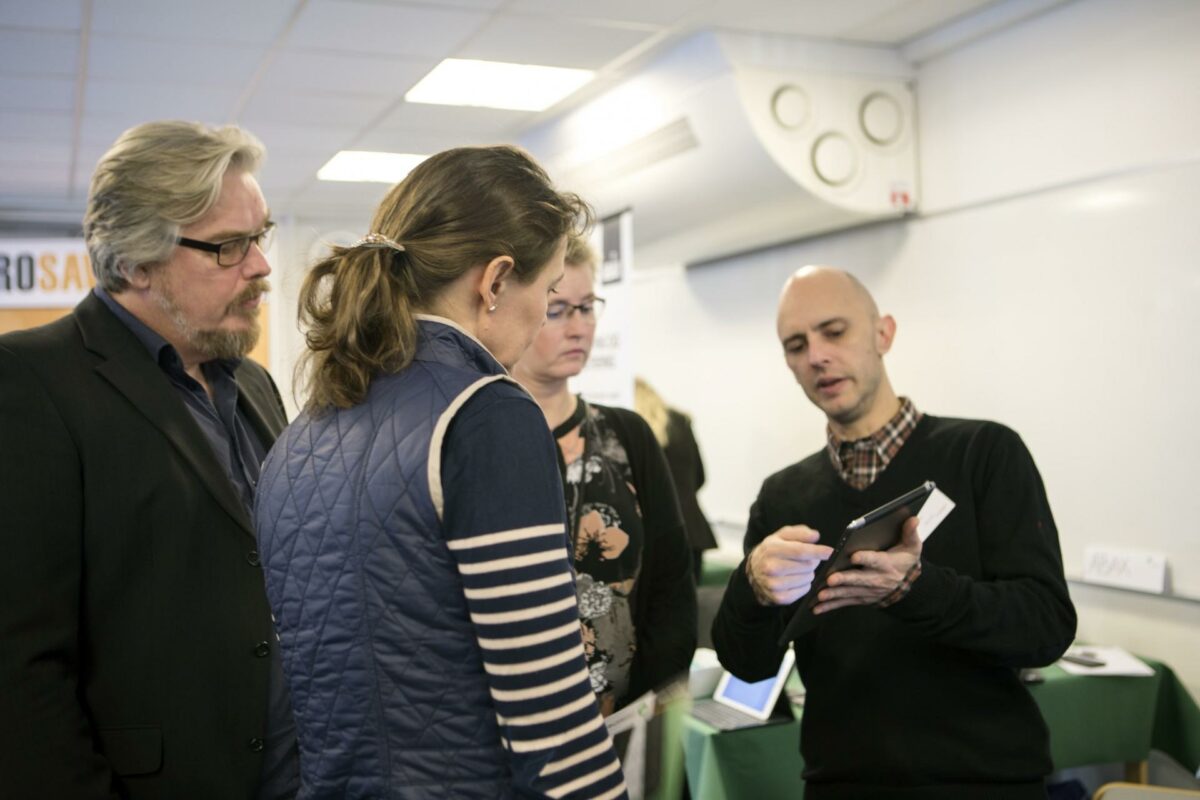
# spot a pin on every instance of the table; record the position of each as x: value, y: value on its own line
x: 1098, y: 720
x: 1092, y: 720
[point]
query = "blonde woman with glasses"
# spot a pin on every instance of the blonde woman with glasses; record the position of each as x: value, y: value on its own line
x: 637, y: 600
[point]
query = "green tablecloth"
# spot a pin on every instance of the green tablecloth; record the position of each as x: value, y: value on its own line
x: 1092, y: 720
x: 1096, y: 720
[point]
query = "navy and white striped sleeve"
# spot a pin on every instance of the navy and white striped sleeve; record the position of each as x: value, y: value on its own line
x: 504, y: 521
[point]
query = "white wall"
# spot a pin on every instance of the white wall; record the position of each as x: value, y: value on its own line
x: 1049, y: 284
x: 301, y: 242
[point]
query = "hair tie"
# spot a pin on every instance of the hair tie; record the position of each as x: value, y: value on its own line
x: 378, y: 240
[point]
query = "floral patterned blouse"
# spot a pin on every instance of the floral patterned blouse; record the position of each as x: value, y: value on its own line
x: 609, y: 537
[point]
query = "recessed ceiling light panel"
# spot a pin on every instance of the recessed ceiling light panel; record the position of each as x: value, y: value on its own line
x: 496, y: 84
x: 367, y: 166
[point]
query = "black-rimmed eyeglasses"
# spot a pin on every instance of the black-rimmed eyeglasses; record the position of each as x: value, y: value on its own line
x: 589, y: 310
x: 232, y: 252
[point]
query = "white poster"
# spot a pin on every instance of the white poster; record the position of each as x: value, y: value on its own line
x: 44, y: 273
x: 608, y: 377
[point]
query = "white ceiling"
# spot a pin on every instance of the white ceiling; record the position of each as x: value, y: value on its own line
x: 311, y: 77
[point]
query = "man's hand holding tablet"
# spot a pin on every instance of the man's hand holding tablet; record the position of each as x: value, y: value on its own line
x: 876, y: 574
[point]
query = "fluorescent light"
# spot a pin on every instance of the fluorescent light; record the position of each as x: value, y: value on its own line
x: 495, y: 84
x: 364, y: 165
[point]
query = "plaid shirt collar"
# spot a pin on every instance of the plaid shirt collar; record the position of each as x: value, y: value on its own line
x: 860, y: 461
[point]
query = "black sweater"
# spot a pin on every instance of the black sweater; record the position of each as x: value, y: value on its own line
x: 925, y: 693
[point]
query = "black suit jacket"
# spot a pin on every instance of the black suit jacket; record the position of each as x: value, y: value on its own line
x: 132, y: 606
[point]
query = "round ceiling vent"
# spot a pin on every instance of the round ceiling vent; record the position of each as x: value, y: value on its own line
x: 834, y: 159
x: 881, y: 118
x: 790, y: 107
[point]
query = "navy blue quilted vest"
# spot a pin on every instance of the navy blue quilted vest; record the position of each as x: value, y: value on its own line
x: 386, y: 677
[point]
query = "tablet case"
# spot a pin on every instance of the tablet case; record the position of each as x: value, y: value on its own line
x: 879, y: 529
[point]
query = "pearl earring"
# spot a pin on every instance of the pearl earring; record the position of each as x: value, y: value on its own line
x: 491, y: 308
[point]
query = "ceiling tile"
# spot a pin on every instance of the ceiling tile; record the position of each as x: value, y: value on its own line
x: 148, y: 101
x: 283, y: 173
x: 33, y: 178
x: 393, y: 30
x: 331, y: 110
x: 475, y: 5
x: 308, y: 70
x: 216, y: 22
x: 911, y: 19
x: 659, y: 12
x: 37, y: 94
x: 89, y: 156
x: 38, y: 53
x: 53, y: 14
x: 423, y: 142
x: 101, y: 130
x: 550, y: 42
x: 355, y: 200
x: 483, y: 5
x: 301, y: 139
x: 347, y: 192
x: 174, y: 62
x: 81, y: 180
x: 814, y: 18
x: 460, y: 119
x: 35, y: 152
x: 22, y: 125
x: 351, y: 217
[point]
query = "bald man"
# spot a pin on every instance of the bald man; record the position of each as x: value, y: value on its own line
x: 911, y: 668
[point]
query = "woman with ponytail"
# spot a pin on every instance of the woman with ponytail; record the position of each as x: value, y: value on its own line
x: 410, y: 521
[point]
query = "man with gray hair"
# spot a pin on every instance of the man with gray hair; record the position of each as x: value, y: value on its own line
x: 137, y: 656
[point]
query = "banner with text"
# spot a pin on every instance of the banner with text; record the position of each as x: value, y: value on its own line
x: 608, y: 377
x: 44, y: 273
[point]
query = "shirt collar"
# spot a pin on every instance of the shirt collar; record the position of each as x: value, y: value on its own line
x: 883, y: 444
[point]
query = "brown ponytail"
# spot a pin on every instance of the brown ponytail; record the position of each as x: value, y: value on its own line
x: 358, y: 322
x: 456, y: 210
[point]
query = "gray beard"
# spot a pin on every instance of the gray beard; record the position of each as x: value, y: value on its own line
x: 209, y: 343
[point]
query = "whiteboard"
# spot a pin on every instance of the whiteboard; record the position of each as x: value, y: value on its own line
x: 1069, y: 315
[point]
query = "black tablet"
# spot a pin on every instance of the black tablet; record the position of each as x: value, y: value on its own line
x: 879, y: 529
